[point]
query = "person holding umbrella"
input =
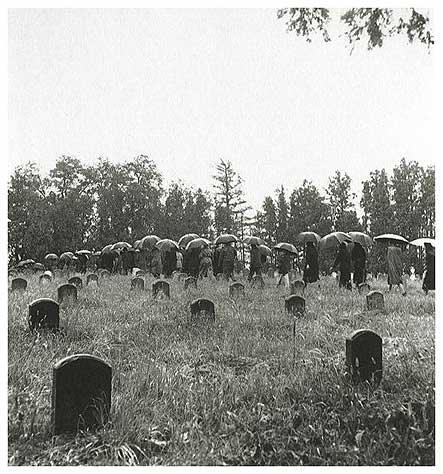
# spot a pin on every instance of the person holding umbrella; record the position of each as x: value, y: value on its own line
x: 343, y: 261
x: 156, y: 262
x: 358, y: 257
x: 395, y: 267
x: 205, y: 260
x: 228, y: 256
x: 311, y: 271
x: 255, y: 264
x: 284, y: 260
x: 429, y: 276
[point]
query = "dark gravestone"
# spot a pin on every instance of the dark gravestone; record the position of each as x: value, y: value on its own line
x: 140, y: 273
x: 363, y: 288
x: 91, y: 278
x: 81, y: 393
x: 364, y: 355
x: 298, y: 287
x: 375, y: 300
x: 161, y: 288
x: 19, y: 284
x: 137, y: 283
x: 236, y: 290
x: 295, y: 305
x: 76, y: 281
x: 67, y: 293
x: 270, y: 272
x: 45, y: 279
x: 203, y: 309
x: 190, y: 281
x: 258, y: 282
x: 44, y: 314
x: 105, y: 273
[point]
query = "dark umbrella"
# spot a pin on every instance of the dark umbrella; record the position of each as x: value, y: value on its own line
x: 391, y: 238
x: 225, y: 239
x: 363, y: 239
x: 25, y: 263
x: 285, y: 246
x: 265, y: 250
x: 83, y: 252
x: 137, y: 244
x: 166, y: 244
x: 197, y: 243
x: 305, y: 237
x: 334, y: 239
x: 51, y: 256
x: 121, y: 245
x: 38, y: 266
x: 185, y: 239
x: 107, y: 248
x: 149, y: 241
x: 67, y: 256
x: 252, y: 240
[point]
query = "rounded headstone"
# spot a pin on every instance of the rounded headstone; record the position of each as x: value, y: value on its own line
x: 44, y: 314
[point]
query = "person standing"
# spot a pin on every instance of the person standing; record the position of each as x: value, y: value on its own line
x: 228, y: 256
x: 395, y: 268
x: 429, y: 276
x: 358, y: 258
x: 205, y: 259
x: 255, y: 264
x: 311, y: 272
x: 343, y: 261
x: 156, y: 262
x: 284, y: 260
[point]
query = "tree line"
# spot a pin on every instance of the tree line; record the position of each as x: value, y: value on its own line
x: 88, y: 206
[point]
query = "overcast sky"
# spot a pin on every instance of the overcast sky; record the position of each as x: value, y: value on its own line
x: 189, y: 86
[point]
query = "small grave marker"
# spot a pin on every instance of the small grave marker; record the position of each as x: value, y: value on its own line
x: 67, y: 293
x: 81, y: 393
x: 375, y: 301
x: 298, y: 287
x: 92, y: 278
x: 45, y: 279
x: 19, y: 284
x: 43, y: 314
x: 363, y: 288
x: 257, y: 281
x: 105, y: 273
x: 137, y: 283
x: 190, y: 281
x: 203, y: 309
x: 76, y: 281
x: 161, y: 288
x: 295, y: 305
x: 364, y: 355
x: 236, y: 290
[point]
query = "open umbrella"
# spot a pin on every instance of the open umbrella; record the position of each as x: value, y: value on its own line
x: 51, y: 256
x: 363, y: 239
x: 38, y: 266
x: 121, y: 245
x: 285, y: 246
x: 166, y: 244
x: 137, y: 244
x: 197, y: 243
x: 225, y: 239
x: 265, y: 250
x: 25, y: 263
x: 252, y: 240
x: 185, y: 239
x: 391, y: 238
x: 334, y: 239
x: 67, y: 256
x: 107, y: 248
x: 421, y: 242
x: 83, y: 252
x: 305, y: 237
x: 149, y: 241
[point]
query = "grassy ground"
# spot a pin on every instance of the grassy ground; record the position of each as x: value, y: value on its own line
x: 238, y: 392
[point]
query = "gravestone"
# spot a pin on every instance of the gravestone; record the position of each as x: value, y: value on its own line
x: 44, y: 279
x: 203, y: 309
x: 92, y: 278
x: 19, y: 284
x: 76, y: 281
x: 81, y: 393
x: 236, y: 290
x: 364, y: 355
x: 270, y: 272
x: 375, y: 300
x: 295, y: 305
x: 105, y: 273
x: 298, y: 287
x: 257, y: 281
x: 67, y: 293
x: 140, y: 274
x: 137, y: 283
x: 44, y: 314
x: 161, y: 288
x: 363, y: 288
x: 190, y: 281
x: 182, y: 276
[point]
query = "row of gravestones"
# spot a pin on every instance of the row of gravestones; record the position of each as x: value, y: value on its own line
x: 81, y: 384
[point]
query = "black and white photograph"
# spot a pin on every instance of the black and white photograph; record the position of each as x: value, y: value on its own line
x: 221, y: 235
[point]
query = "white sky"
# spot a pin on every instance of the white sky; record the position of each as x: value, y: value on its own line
x: 188, y: 86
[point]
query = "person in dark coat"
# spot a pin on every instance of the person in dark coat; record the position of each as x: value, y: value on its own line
x: 191, y: 262
x: 128, y: 261
x: 107, y: 260
x: 429, y: 276
x: 169, y: 262
x: 358, y: 258
x: 228, y: 256
x: 343, y: 261
x: 395, y: 268
x: 216, y: 267
x: 205, y: 259
x: 284, y: 260
x: 310, y: 273
x: 82, y: 263
x: 255, y: 265
x: 156, y: 263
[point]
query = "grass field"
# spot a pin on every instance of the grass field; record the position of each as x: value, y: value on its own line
x: 237, y: 392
